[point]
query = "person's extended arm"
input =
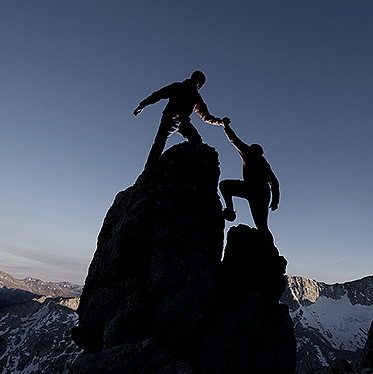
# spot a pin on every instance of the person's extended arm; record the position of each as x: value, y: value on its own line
x: 232, y: 137
x: 163, y: 93
x: 202, y: 110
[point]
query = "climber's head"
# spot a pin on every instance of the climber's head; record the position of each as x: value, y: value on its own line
x: 198, y: 78
x: 257, y: 149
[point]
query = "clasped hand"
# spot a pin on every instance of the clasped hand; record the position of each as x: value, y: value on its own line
x: 138, y: 110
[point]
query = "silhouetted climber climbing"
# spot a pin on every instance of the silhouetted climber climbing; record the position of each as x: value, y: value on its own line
x: 258, y: 182
x: 183, y: 99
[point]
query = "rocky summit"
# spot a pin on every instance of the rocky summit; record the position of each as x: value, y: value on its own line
x: 159, y: 299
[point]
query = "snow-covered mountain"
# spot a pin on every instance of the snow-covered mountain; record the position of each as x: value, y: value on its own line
x: 36, y: 319
x: 35, y: 337
x: 330, y: 321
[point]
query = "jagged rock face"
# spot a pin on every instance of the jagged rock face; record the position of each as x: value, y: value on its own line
x: 157, y: 291
x: 143, y: 357
x: 158, y: 249
x: 253, y: 332
x: 302, y: 291
x: 247, y: 257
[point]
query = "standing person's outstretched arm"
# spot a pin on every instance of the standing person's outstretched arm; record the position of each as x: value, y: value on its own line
x: 202, y: 110
x: 163, y: 93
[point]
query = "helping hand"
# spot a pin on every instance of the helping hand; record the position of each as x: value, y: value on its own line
x: 226, y: 121
x: 274, y: 207
x: 138, y: 110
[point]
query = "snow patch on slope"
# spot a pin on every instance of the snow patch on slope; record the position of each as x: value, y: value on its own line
x: 344, y: 325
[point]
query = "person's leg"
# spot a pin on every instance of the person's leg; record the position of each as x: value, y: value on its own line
x: 166, y: 128
x: 228, y: 189
x: 259, y: 204
x: 188, y: 131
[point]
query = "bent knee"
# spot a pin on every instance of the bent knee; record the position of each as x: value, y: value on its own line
x: 223, y: 184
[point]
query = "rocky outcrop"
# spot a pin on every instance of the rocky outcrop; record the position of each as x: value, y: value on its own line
x: 159, y: 247
x: 158, y: 299
x: 252, y: 332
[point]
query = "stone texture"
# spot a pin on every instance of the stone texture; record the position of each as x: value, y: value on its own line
x: 253, y: 333
x: 141, y: 358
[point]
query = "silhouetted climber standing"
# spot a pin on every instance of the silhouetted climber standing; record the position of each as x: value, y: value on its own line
x: 258, y: 182
x: 183, y: 99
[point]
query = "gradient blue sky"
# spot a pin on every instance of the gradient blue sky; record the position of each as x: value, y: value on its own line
x: 294, y: 76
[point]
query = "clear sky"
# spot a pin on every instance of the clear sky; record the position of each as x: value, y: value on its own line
x: 294, y: 76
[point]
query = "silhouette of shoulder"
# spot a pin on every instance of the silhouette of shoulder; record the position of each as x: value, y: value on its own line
x: 176, y: 92
x: 163, y: 93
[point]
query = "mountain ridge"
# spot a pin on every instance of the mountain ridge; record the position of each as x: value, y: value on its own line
x: 15, y: 291
x: 331, y: 321
x: 309, y: 341
x: 359, y: 291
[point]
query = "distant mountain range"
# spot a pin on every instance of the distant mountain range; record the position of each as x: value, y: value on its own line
x: 331, y: 321
x: 15, y: 291
x: 36, y: 319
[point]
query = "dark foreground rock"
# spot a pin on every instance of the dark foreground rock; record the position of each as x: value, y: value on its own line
x: 142, y: 357
x: 158, y: 299
x: 253, y: 333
